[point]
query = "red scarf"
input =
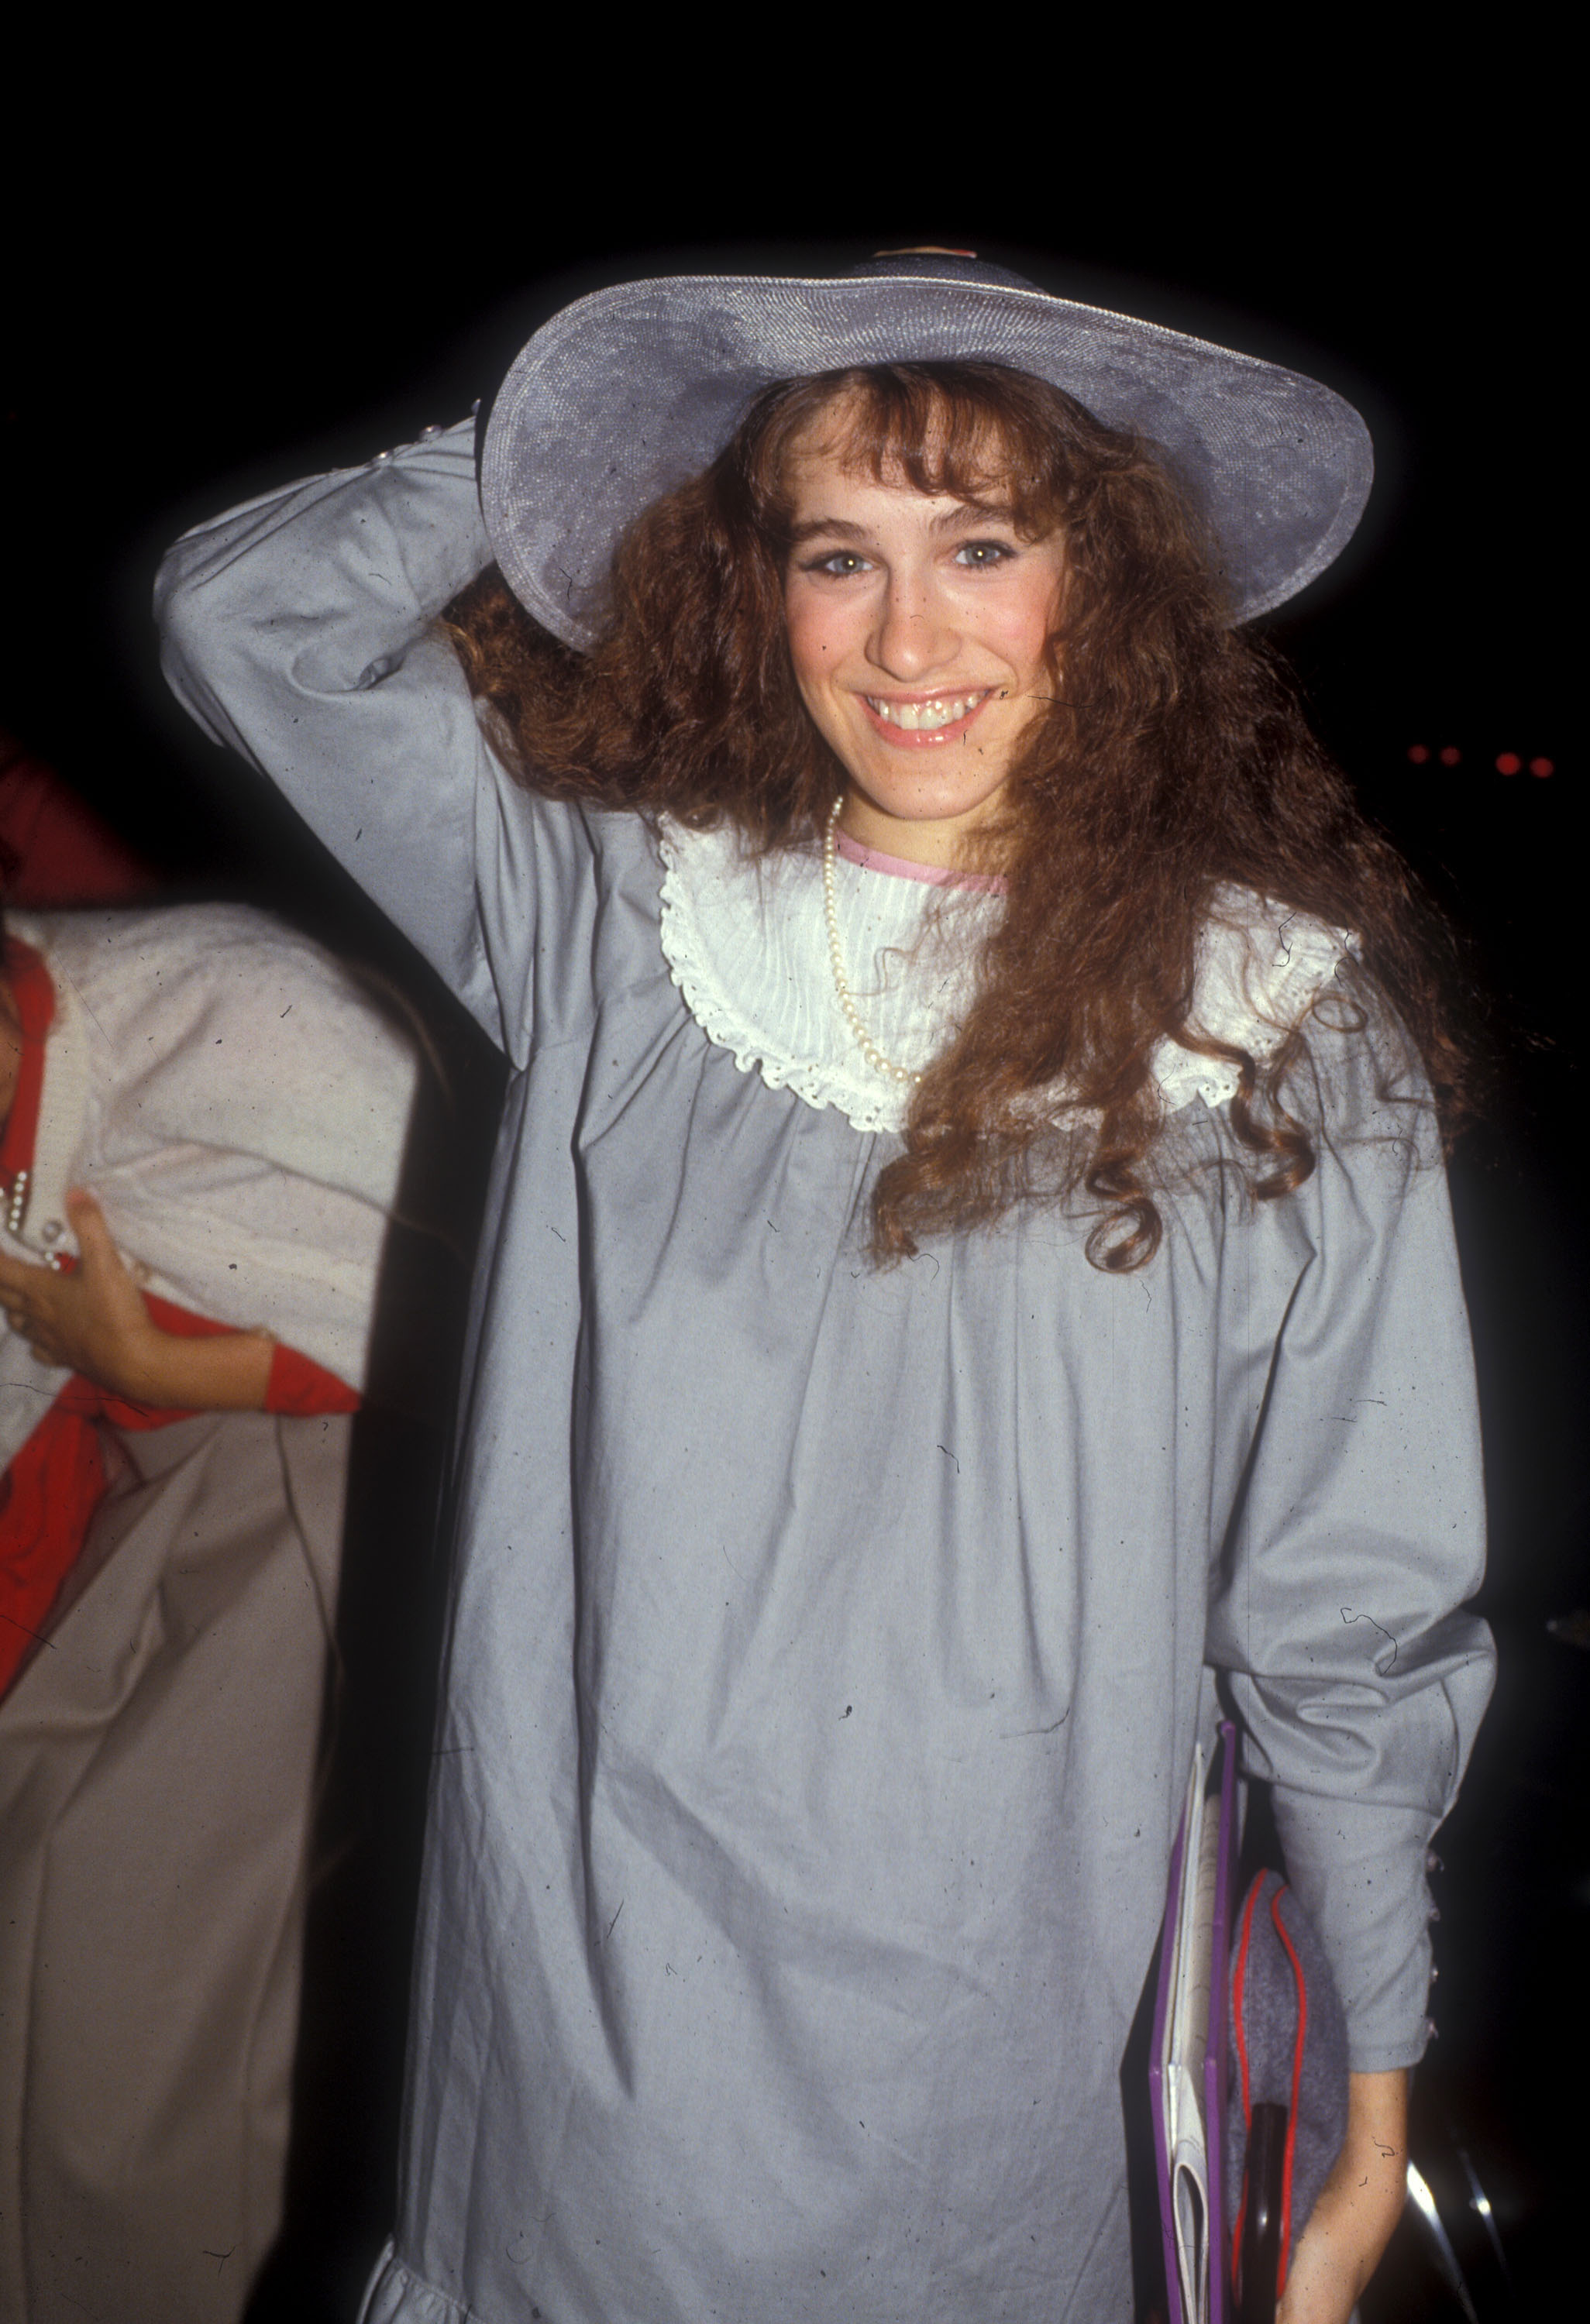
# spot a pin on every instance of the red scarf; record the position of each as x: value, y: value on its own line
x: 56, y: 1480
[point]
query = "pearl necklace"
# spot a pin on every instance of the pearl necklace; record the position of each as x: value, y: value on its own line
x: 863, y: 1040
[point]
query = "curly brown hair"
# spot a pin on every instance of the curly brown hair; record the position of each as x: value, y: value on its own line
x: 1172, y: 758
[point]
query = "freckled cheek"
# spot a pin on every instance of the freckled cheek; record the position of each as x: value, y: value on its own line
x: 805, y: 647
x: 816, y: 647
x: 1022, y: 631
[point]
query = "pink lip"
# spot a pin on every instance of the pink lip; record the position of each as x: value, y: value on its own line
x: 902, y: 740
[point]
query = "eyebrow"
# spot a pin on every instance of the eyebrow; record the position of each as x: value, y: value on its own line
x: 965, y: 513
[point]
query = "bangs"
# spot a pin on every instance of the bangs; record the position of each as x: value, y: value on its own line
x: 978, y: 433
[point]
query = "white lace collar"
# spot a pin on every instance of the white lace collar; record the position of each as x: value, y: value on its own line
x: 746, y: 942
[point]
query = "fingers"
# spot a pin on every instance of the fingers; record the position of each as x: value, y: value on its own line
x: 96, y: 1245
x: 31, y: 1295
x: 110, y: 1287
x: 22, y: 1319
x: 15, y: 1301
x: 105, y: 1272
x: 30, y: 1329
x: 87, y: 1220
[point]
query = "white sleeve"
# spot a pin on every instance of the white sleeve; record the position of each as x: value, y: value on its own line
x: 245, y: 1108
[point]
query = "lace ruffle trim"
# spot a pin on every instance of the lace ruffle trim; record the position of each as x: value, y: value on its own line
x: 1263, y: 969
x: 867, y: 1104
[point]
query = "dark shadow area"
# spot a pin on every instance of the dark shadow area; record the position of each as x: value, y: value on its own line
x: 381, y: 1704
x: 1497, y: 2130
x: 348, y: 2076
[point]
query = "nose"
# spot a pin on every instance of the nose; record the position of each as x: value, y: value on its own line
x: 914, y: 634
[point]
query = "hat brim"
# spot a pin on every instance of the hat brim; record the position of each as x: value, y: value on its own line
x: 627, y: 393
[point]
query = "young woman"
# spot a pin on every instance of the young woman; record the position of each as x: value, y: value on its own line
x: 968, y: 1273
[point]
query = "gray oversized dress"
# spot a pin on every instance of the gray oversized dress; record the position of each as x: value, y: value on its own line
x: 828, y: 1645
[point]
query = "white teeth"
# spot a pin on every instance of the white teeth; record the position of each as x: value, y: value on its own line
x: 925, y: 717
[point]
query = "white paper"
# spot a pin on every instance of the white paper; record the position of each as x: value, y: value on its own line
x: 1186, y: 2042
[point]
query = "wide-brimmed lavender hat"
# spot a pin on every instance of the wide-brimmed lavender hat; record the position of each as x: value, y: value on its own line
x: 627, y: 393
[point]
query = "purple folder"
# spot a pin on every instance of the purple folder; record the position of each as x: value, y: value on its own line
x: 1211, y: 2082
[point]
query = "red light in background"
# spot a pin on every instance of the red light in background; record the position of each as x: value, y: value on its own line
x: 1507, y: 762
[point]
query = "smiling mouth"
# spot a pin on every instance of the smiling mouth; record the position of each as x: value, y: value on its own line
x: 928, y: 716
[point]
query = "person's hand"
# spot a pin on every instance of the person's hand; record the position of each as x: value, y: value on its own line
x: 1359, y: 2206
x: 93, y: 1321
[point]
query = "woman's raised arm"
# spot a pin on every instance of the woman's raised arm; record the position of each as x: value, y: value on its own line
x: 298, y: 630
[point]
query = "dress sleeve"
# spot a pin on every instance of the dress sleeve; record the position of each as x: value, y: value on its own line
x: 243, y: 1123
x: 299, y: 630
x: 1338, y: 1608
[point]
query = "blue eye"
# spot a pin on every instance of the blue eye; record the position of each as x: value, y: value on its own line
x: 839, y: 562
x: 982, y: 556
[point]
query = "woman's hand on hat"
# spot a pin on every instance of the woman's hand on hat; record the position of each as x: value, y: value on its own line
x: 93, y: 1321
x: 1359, y: 2206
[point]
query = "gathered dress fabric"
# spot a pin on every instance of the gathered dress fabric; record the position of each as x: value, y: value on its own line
x: 829, y: 1643
x: 239, y: 1108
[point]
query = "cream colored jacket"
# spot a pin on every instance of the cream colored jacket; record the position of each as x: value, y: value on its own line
x: 239, y: 1108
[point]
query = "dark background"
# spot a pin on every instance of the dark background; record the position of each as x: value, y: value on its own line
x: 208, y: 301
